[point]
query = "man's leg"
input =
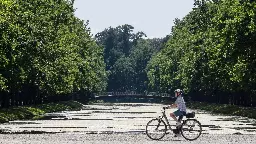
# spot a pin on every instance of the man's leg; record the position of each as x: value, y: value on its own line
x: 178, y: 124
x: 175, y: 114
x: 181, y: 116
x: 174, y: 117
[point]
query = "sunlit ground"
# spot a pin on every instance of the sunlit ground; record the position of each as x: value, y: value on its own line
x: 123, y: 118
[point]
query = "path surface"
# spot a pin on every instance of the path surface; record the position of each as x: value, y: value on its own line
x: 82, y: 138
x: 122, y: 123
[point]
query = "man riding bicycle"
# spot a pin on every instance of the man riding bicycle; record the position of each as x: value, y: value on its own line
x: 190, y: 128
x: 180, y: 103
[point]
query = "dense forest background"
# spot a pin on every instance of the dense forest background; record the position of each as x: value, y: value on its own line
x: 47, y: 54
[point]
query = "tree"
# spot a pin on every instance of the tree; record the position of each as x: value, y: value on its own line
x: 210, y: 53
x: 46, y: 52
x: 117, y: 43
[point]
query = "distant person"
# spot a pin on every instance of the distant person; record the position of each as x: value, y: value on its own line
x: 180, y: 104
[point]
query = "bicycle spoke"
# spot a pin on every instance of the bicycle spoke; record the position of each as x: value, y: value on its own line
x: 156, y: 129
x: 191, y: 129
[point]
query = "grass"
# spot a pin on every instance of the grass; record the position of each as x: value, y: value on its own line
x: 35, y: 111
x: 226, y: 109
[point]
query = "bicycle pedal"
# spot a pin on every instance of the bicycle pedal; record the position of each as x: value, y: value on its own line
x: 176, y: 131
x: 177, y: 135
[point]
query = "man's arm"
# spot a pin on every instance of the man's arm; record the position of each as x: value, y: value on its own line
x: 172, y: 105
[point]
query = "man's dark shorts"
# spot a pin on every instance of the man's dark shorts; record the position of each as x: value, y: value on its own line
x: 179, y: 113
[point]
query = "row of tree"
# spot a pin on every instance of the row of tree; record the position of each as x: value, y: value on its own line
x: 211, y: 53
x: 126, y: 55
x: 46, y: 53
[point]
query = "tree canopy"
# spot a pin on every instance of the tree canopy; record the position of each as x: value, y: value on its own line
x: 126, y: 55
x: 48, y: 54
x: 45, y: 51
x: 211, y: 53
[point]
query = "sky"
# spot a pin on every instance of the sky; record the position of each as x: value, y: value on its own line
x: 154, y: 17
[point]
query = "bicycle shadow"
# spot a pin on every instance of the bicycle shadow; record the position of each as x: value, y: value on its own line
x: 167, y: 139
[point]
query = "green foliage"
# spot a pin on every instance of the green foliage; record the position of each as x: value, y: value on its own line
x: 44, y: 47
x: 29, y: 112
x: 126, y: 55
x: 210, y: 53
x: 60, y: 106
x: 123, y: 55
x: 140, y: 55
x: 226, y: 109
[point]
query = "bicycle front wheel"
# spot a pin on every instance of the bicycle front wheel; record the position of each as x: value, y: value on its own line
x: 191, y: 129
x: 156, y: 129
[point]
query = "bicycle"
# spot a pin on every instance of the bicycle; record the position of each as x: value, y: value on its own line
x: 160, y: 128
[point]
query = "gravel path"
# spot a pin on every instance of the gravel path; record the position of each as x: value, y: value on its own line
x: 119, y: 124
x: 79, y: 138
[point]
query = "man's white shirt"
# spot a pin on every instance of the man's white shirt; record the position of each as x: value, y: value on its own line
x: 181, y: 103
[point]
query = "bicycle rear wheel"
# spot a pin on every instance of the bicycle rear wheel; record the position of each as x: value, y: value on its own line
x: 156, y: 129
x: 191, y: 129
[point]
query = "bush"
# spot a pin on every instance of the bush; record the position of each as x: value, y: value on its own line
x: 249, y: 112
x: 33, y: 112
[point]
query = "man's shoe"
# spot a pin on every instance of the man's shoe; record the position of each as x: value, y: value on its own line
x: 177, y: 135
x: 168, y: 131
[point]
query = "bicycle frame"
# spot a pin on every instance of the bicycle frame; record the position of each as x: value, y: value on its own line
x: 179, y: 130
x: 165, y: 118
